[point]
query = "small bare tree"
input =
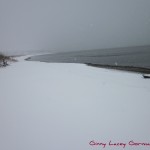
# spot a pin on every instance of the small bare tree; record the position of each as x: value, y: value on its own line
x: 3, y: 60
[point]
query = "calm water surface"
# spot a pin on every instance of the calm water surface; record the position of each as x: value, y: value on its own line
x: 131, y: 56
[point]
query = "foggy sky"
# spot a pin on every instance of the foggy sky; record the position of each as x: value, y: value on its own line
x: 64, y: 25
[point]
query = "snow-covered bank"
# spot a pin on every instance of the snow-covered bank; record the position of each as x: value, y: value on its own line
x: 54, y: 106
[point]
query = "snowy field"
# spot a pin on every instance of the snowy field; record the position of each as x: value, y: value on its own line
x: 56, y: 106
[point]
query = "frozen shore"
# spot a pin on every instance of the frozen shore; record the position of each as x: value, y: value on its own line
x: 55, y: 106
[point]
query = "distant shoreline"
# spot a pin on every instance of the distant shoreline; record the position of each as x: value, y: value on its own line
x: 133, y: 59
x: 123, y: 68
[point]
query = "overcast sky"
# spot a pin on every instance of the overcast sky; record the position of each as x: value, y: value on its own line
x: 62, y: 25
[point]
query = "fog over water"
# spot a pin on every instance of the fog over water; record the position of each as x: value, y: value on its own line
x: 68, y: 25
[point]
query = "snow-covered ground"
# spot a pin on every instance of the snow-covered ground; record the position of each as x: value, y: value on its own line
x: 56, y: 106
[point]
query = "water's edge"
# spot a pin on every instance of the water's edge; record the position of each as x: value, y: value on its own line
x: 135, y: 59
x: 123, y: 68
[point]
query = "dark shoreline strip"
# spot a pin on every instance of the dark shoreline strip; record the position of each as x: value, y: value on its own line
x: 124, y: 68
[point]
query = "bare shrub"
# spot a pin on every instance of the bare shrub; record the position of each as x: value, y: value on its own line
x: 5, y: 59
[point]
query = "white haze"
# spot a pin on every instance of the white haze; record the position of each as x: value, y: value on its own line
x: 65, y: 25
